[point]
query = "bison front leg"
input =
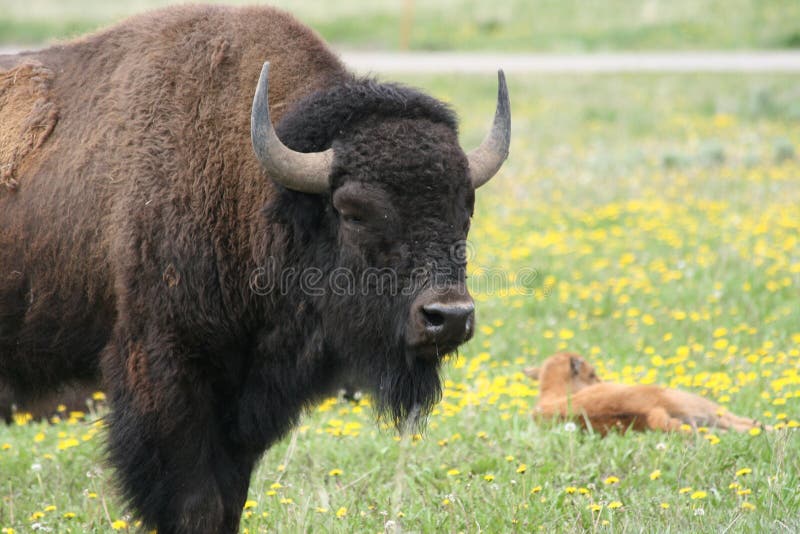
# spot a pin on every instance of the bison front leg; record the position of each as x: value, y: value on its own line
x: 660, y: 419
x: 169, y: 443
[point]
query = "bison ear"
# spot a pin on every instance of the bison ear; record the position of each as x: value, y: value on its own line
x: 532, y: 372
x: 575, y: 365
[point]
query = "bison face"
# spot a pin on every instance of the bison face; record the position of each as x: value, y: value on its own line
x: 404, y: 210
x: 379, y: 195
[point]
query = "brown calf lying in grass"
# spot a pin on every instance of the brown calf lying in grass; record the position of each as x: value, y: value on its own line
x: 570, y: 387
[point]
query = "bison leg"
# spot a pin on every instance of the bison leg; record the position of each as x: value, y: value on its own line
x: 659, y: 419
x: 168, y: 442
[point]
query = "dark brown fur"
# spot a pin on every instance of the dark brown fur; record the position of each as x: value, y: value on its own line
x: 129, y: 244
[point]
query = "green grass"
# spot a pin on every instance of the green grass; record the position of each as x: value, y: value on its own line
x: 510, y: 25
x: 661, y: 216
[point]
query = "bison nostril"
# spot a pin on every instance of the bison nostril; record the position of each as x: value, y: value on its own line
x: 448, y: 322
x: 433, y: 318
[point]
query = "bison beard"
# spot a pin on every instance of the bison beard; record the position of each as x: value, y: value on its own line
x: 153, y: 211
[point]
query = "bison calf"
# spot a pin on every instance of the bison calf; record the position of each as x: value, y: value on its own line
x: 570, y: 388
x: 220, y: 273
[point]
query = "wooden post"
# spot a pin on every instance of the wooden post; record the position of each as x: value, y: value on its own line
x: 406, y: 23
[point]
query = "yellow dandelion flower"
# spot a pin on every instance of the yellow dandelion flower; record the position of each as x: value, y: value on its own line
x: 748, y: 506
x: 655, y: 475
x: 38, y: 438
x: 664, y: 505
x: 99, y: 396
x: 566, y: 333
x: 610, y: 480
x: 50, y: 508
x: 67, y: 443
x: 509, y: 458
x: 755, y: 431
x: 287, y: 500
x: 341, y: 512
x: 488, y: 478
x: 321, y: 510
x: 36, y: 515
x: 453, y: 472
x: 276, y: 485
x: 583, y: 491
x: 594, y: 507
x: 250, y: 504
x: 613, y: 505
x: 745, y: 491
x: 445, y: 502
x: 522, y: 468
x: 69, y: 515
x: 743, y: 471
x: 334, y: 472
x: 6, y: 446
x: 686, y: 489
x: 119, y: 524
x: 698, y: 495
x: 570, y: 489
x: 536, y: 489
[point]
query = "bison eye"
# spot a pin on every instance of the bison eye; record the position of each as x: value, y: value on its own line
x: 354, y: 219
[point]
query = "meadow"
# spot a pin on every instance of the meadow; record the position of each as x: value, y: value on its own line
x: 651, y: 223
x: 506, y: 25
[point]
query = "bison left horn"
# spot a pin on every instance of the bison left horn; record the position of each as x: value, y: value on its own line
x: 300, y: 171
x: 486, y: 160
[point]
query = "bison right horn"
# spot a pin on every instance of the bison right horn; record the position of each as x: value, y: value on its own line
x: 486, y: 160
x: 300, y: 171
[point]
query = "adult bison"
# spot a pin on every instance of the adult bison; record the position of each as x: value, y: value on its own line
x: 143, y: 237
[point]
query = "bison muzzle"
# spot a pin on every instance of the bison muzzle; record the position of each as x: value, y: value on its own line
x: 218, y: 273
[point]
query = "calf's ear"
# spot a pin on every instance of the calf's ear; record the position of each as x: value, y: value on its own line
x: 575, y: 365
x: 532, y: 372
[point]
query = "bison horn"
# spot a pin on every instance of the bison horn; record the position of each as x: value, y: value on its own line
x: 300, y: 171
x: 486, y: 160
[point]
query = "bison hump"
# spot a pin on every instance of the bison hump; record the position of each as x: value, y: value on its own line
x: 27, y: 117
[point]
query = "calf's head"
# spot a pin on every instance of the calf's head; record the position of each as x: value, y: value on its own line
x: 382, y: 196
x: 563, y: 373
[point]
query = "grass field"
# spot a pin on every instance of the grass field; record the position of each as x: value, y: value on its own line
x: 661, y: 215
x: 507, y: 25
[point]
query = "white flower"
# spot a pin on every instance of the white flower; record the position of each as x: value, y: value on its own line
x: 570, y: 427
x: 36, y: 467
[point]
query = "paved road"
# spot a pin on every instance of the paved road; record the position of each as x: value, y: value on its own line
x: 435, y: 62
x: 578, y: 63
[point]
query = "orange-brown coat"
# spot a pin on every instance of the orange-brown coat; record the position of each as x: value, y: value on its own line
x: 570, y: 388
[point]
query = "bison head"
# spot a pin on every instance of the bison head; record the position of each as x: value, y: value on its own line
x: 378, y: 196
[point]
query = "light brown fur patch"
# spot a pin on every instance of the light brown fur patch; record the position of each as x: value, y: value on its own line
x: 570, y: 389
x: 27, y: 116
x: 138, y: 377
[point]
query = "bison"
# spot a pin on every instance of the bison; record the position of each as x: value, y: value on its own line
x: 221, y: 274
x: 571, y: 389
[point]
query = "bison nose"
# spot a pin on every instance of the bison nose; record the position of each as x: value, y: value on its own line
x: 450, y: 322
